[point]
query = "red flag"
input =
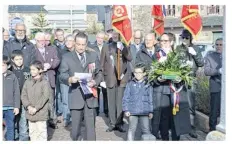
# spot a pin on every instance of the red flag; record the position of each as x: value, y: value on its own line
x: 191, y: 19
x: 121, y: 23
x: 157, y: 13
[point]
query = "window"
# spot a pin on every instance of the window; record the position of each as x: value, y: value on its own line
x: 213, y: 10
x: 171, y: 10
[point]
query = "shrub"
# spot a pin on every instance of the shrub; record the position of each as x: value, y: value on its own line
x: 202, y: 93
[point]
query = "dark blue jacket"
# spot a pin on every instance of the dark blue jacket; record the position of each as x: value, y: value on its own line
x: 137, y: 98
x: 11, y: 94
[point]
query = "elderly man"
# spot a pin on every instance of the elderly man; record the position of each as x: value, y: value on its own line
x: 47, y: 55
x: 137, y: 46
x: 20, y: 42
x: 147, y: 53
x: 81, y: 60
x: 213, y: 68
x: 114, y: 61
x: 98, y: 46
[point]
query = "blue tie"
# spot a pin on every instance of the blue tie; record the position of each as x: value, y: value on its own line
x: 150, y: 53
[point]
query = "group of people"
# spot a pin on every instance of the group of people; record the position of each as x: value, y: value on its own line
x: 41, y: 88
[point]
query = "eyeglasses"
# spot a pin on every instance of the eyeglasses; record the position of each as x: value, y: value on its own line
x: 137, y: 38
x: 164, y: 40
x: 138, y: 72
x: 187, y: 38
x: 218, y: 44
x: 20, y: 31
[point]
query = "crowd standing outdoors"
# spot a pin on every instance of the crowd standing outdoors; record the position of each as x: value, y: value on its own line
x: 40, y: 88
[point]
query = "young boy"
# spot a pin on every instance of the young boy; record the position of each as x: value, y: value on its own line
x: 137, y: 102
x: 22, y: 73
x: 11, y: 98
x: 35, y: 94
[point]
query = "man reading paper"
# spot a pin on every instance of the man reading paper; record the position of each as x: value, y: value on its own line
x: 79, y: 61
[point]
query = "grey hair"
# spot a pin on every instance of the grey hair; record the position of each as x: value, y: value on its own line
x: 21, y: 24
x: 69, y: 36
x: 101, y: 32
x: 219, y: 39
x: 39, y: 34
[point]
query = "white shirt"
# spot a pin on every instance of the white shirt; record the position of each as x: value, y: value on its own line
x: 100, y: 47
x: 79, y: 56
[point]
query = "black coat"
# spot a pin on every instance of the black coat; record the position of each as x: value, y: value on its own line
x: 182, y: 118
x: 25, y: 46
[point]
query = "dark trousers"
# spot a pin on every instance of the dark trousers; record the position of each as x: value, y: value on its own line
x: 192, y: 106
x: 89, y: 119
x: 105, y: 101
x: 51, y: 109
x: 8, y: 117
x: 166, y: 119
x: 215, y: 103
x: 115, y: 95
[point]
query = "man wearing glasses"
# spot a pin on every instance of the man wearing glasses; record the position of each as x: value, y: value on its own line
x: 137, y: 45
x: 20, y: 42
x: 213, y: 68
x: 48, y: 56
x: 191, y: 56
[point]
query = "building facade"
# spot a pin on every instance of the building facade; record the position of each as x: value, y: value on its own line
x: 212, y: 20
x: 67, y: 17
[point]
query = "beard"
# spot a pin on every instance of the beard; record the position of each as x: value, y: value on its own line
x: 20, y: 37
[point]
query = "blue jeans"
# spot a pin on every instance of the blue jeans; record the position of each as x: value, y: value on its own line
x: 22, y: 126
x: 58, y: 99
x: 64, y: 95
x: 8, y: 117
x: 133, y: 122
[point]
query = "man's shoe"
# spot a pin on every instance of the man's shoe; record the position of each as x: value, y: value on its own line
x: 120, y: 129
x: 106, y: 115
x: 110, y: 129
x: 53, y: 125
x: 193, y: 134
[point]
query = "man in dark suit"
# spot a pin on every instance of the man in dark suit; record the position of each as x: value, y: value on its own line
x: 97, y: 46
x: 137, y: 45
x: 114, y: 61
x: 79, y: 61
x: 213, y: 68
x: 48, y: 56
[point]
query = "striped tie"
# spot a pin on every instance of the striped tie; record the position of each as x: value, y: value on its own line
x: 82, y: 59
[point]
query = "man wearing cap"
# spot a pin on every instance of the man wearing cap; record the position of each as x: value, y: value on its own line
x: 191, y: 56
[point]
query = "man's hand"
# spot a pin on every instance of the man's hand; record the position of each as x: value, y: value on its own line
x: 127, y: 114
x: 16, y: 111
x: 73, y: 79
x: 91, y: 83
x: 120, y: 46
x: 192, y: 51
x: 30, y: 110
x: 150, y: 115
x: 46, y: 66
